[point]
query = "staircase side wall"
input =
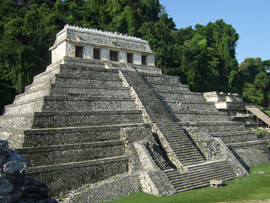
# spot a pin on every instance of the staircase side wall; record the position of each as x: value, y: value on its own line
x: 215, y: 149
x: 252, y: 155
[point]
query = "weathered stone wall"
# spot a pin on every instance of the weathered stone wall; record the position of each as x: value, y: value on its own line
x: 215, y: 149
x: 153, y: 180
x: 251, y: 155
x: 113, y: 188
x: 62, y: 178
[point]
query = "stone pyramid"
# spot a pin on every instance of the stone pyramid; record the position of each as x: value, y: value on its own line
x: 104, y: 121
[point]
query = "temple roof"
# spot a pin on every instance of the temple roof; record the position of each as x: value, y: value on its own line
x: 101, y: 39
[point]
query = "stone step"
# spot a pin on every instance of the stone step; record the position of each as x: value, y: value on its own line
x: 77, y: 68
x: 208, y: 166
x: 177, y: 138
x: 181, y: 96
x: 59, y: 154
x: 171, y: 88
x: 47, y: 75
x: 218, y: 170
x: 147, y: 70
x: 76, y: 91
x: 187, y: 154
x: 66, y: 72
x: 71, y: 135
x: 190, y: 106
x: 88, y: 72
x: 235, y: 137
x: 36, y: 86
x: 30, y: 106
x: 106, y: 91
x: 70, y: 176
x: 205, y: 181
x: 201, y: 176
x: 180, y: 145
x: 246, y: 144
x: 214, y: 127
x: 162, y: 79
x: 193, y: 178
x: 187, y: 150
x: 82, y: 62
x: 28, y: 96
x: 86, y: 81
x: 190, y: 160
x: 198, y: 116
x: 77, y: 104
x: 70, y: 119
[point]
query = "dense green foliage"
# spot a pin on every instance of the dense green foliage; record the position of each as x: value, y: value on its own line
x: 204, y: 56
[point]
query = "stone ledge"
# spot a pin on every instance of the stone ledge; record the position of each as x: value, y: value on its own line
x: 224, y: 134
x: 83, y: 68
x: 73, y: 129
x: 183, y: 93
x: 87, y: 87
x: 71, y: 165
x: 68, y: 98
x: 70, y: 176
x: 197, y: 112
x: 250, y: 143
x: 209, y: 123
x: 69, y: 147
x: 41, y: 114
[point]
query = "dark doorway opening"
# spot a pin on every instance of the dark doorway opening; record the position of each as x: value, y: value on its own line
x: 114, y: 55
x: 79, y: 51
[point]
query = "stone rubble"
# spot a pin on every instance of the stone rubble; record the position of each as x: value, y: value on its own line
x: 14, y: 185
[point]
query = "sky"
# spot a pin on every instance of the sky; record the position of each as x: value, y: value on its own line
x: 250, y: 19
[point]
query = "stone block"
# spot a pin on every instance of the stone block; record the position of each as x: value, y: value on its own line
x: 49, y: 155
x: 162, y: 80
x: 64, y: 177
x: 113, y: 188
x: 178, y: 97
x: 171, y: 88
x: 88, y: 91
x: 198, y: 116
x: 190, y: 106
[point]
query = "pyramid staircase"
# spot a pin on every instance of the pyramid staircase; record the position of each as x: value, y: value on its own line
x: 178, y: 143
x: 67, y: 123
x: 190, y: 111
x: 199, y: 175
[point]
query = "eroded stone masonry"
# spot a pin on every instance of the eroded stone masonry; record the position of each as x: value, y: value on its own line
x: 103, y: 122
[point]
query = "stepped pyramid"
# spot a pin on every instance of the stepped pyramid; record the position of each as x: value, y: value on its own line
x: 102, y: 112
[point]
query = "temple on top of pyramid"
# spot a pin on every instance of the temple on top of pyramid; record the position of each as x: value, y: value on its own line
x: 107, y: 46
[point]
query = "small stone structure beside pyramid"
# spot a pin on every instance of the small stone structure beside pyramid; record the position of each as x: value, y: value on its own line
x: 102, y: 121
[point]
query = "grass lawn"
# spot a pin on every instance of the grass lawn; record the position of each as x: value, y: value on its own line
x: 267, y: 112
x: 253, y: 187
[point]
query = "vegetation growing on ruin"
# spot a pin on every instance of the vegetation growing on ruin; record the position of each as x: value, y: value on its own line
x: 253, y: 187
x: 203, y: 56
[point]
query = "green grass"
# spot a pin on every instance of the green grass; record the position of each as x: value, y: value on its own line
x: 267, y: 112
x: 261, y: 131
x: 253, y: 187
